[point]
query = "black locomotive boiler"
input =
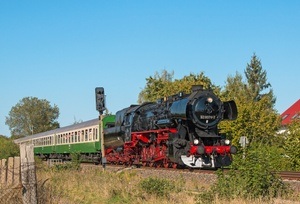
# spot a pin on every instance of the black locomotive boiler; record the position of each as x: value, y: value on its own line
x: 178, y: 130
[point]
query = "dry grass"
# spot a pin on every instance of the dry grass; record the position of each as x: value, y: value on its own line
x: 94, y: 186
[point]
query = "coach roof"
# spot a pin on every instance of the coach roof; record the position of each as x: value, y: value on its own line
x: 60, y: 130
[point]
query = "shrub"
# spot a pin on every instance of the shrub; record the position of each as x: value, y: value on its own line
x: 251, y: 177
x: 156, y: 186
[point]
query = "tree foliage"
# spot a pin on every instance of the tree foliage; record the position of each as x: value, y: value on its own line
x: 32, y: 115
x: 257, y: 118
x: 257, y: 80
x: 163, y: 85
x: 292, y: 144
x: 8, y: 148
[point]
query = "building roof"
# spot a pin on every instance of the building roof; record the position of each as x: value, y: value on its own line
x: 291, y: 113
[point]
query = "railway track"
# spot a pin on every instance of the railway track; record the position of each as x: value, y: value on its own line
x: 285, y: 175
x: 290, y: 175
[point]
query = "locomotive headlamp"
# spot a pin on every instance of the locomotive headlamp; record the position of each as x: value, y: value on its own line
x: 227, y: 142
x: 196, y: 141
x: 209, y: 100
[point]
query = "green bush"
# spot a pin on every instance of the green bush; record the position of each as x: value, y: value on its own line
x: 156, y: 186
x: 251, y: 177
x: 74, y: 164
x: 8, y: 148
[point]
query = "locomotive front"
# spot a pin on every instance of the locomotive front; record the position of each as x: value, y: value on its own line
x: 198, y: 143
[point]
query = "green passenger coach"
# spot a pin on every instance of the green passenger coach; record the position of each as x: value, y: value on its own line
x: 83, y: 138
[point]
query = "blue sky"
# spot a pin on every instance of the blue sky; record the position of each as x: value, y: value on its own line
x: 61, y: 50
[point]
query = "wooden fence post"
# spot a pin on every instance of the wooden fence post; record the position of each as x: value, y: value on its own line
x: 28, y: 175
x: 10, y: 172
x: 3, y: 172
x: 17, y: 171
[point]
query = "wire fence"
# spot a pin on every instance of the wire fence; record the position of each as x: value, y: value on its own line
x: 10, y: 180
x: 18, y: 178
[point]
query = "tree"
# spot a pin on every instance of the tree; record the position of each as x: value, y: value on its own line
x: 163, y: 85
x: 257, y: 119
x: 292, y: 144
x: 257, y: 80
x: 8, y: 148
x: 157, y: 86
x: 32, y: 115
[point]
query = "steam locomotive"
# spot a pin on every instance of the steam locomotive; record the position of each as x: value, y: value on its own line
x: 178, y: 130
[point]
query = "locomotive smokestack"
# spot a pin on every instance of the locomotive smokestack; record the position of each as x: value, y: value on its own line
x: 197, y: 88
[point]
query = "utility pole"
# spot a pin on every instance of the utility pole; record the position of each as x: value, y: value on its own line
x: 103, y: 158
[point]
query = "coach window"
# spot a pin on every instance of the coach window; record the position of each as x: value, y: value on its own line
x: 73, y: 137
x: 96, y: 129
x: 69, y: 138
x: 90, y: 134
x: 94, y: 134
x: 86, y: 135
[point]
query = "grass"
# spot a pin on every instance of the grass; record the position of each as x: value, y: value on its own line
x: 95, y: 186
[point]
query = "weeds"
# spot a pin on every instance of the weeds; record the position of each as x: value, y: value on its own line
x: 95, y: 186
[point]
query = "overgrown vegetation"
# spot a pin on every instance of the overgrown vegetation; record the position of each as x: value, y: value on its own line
x: 95, y: 186
x: 158, y: 187
x: 253, y: 175
x: 292, y: 145
x: 8, y: 148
